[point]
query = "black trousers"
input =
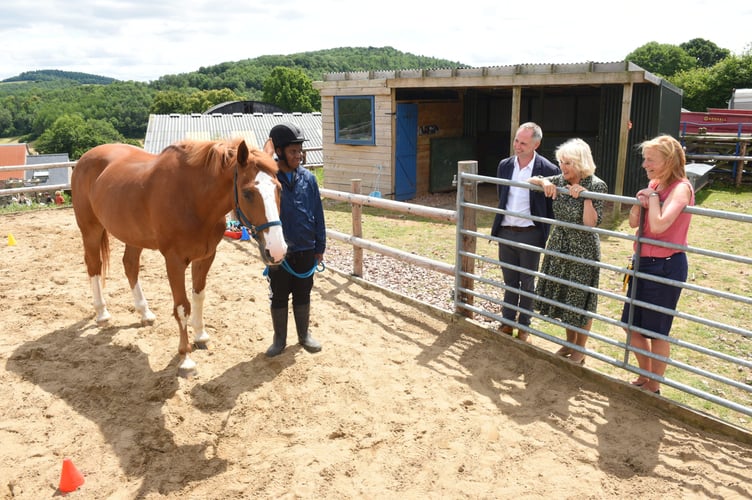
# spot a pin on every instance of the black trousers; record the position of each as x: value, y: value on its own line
x: 282, y: 283
x: 514, y: 279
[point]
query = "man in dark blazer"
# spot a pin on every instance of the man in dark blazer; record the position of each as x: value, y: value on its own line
x: 518, y: 228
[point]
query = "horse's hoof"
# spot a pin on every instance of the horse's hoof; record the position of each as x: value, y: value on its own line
x: 201, y: 338
x: 104, y: 319
x: 187, y: 368
x: 186, y: 373
x: 147, y: 317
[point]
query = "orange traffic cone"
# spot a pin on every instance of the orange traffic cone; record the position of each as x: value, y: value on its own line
x: 11, y: 240
x: 71, y: 478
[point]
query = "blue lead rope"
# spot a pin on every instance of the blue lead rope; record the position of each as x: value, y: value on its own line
x: 318, y: 267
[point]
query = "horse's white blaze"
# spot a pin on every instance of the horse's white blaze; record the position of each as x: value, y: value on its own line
x: 142, y: 306
x: 197, y: 318
x: 275, y: 239
x: 103, y: 315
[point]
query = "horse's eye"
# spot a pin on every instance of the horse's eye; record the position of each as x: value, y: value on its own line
x: 248, y: 195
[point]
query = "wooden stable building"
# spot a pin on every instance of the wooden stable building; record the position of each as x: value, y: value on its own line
x: 403, y: 132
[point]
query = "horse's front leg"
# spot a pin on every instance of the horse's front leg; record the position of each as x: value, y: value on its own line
x: 131, y: 263
x: 199, y: 272
x: 181, y: 310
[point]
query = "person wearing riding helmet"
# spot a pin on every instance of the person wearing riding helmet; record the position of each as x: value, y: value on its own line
x: 302, y: 216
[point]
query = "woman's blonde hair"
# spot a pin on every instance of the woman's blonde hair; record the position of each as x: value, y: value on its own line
x: 672, y: 153
x: 578, y: 151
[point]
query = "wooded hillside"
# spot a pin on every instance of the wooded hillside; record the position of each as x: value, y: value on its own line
x: 32, y: 102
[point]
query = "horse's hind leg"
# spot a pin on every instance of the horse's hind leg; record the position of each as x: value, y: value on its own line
x: 95, y: 240
x: 131, y: 263
x: 103, y: 315
x: 199, y: 271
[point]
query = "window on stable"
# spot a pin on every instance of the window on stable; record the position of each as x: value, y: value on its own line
x: 354, y: 120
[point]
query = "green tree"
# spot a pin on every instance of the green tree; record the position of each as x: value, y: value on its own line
x: 705, y: 52
x: 186, y: 101
x: 199, y: 102
x: 168, y: 101
x: 74, y: 135
x: 6, y: 122
x: 662, y: 58
x: 694, y: 84
x: 711, y: 87
x: 291, y: 89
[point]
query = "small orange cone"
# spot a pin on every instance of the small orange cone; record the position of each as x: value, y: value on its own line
x: 71, y: 478
x: 11, y: 240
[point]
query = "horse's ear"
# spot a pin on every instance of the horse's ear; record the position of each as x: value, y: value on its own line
x: 269, y: 147
x: 243, y: 153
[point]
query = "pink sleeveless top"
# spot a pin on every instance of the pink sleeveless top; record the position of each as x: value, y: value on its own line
x: 676, y: 233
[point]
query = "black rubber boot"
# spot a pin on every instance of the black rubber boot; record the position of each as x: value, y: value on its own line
x: 279, y: 321
x: 302, y: 314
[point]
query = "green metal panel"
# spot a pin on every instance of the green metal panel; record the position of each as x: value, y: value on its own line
x: 671, y: 105
x: 656, y: 109
x: 446, y: 152
x: 606, y: 152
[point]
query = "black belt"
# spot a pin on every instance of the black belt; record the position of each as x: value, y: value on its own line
x: 519, y: 229
x: 656, y: 259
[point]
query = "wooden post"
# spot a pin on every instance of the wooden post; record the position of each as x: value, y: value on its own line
x: 514, y: 124
x: 357, y: 230
x: 621, y: 157
x: 466, y: 220
x: 740, y: 164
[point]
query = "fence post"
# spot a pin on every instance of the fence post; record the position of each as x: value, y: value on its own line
x: 467, y: 191
x: 357, y: 229
x: 740, y: 165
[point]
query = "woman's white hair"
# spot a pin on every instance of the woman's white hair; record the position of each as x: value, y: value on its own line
x: 578, y: 152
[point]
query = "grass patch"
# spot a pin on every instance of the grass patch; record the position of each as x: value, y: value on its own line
x: 9, y: 207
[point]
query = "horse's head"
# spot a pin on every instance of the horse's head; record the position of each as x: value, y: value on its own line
x: 257, y: 196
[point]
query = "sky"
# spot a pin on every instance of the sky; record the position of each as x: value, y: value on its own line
x: 143, y: 40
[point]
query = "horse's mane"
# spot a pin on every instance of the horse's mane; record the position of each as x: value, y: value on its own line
x: 264, y: 162
x: 212, y: 155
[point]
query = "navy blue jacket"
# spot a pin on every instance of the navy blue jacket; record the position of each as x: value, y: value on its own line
x: 540, y: 206
x: 301, y: 212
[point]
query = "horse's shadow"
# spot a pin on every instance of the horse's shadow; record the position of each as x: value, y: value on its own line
x: 221, y: 393
x: 115, y: 387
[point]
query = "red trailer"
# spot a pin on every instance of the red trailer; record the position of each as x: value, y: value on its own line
x: 716, y: 121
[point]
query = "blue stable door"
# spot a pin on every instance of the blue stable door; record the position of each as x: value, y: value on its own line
x: 406, y: 152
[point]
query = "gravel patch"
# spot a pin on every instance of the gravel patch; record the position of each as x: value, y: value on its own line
x: 430, y: 287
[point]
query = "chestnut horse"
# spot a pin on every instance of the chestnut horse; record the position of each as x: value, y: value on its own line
x: 174, y: 202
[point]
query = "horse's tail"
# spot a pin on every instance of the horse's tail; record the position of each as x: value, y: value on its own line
x: 104, y: 254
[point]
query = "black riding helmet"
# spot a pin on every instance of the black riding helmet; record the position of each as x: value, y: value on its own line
x: 286, y: 133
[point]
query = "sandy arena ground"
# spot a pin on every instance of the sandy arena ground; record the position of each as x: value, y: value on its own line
x: 401, y: 403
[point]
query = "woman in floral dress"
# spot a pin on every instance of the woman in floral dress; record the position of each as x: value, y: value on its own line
x: 572, y: 303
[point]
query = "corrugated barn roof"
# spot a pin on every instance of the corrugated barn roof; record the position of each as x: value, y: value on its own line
x: 164, y: 130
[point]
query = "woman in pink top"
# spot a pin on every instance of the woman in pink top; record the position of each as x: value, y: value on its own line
x: 668, y: 193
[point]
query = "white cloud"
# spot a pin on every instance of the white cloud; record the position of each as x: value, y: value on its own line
x: 140, y: 40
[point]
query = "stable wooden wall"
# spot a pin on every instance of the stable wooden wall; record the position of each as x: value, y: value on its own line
x: 344, y: 162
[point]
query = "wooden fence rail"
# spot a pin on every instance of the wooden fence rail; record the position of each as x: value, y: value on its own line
x: 37, y: 188
x: 359, y: 244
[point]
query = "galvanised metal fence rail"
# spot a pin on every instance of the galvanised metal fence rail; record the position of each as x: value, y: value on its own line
x: 711, y: 357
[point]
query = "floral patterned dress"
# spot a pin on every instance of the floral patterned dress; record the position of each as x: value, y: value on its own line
x: 573, y: 242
